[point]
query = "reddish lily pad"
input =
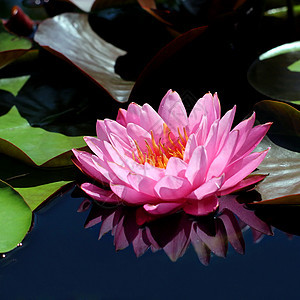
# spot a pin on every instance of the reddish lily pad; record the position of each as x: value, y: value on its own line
x: 70, y: 36
x: 283, y: 167
x: 35, y: 146
x: 95, y: 5
x: 285, y: 130
x: 282, y: 164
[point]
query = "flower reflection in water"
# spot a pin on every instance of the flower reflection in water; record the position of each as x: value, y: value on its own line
x: 176, y: 232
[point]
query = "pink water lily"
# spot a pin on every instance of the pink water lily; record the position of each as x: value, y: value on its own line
x: 168, y: 161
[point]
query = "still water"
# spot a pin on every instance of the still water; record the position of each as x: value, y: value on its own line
x: 60, y: 259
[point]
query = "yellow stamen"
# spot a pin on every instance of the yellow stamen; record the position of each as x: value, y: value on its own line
x: 185, y: 134
x: 159, y: 154
x: 181, y: 137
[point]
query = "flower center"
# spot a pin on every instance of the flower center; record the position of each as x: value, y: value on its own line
x: 159, y: 154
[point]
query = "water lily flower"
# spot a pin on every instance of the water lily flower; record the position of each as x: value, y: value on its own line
x: 167, y: 161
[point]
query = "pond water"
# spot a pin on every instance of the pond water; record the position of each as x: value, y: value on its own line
x: 60, y: 259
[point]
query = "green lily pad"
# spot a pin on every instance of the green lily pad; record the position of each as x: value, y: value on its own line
x: 11, y: 46
x: 34, y: 184
x: 13, y: 85
x: 15, y: 218
x: 281, y: 12
x: 23, y: 189
x: 295, y: 67
x: 63, y: 36
x: 34, y: 196
x: 35, y: 146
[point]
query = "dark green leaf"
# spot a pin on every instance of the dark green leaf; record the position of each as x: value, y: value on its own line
x: 275, y: 74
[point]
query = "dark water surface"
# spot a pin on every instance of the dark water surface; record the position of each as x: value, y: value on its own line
x: 60, y: 259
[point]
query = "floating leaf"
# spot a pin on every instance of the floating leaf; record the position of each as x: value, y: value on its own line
x: 35, y: 146
x: 282, y: 12
x: 285, y: 130
x: 96, y: 5
x: 15, y: 218
x: 11, y: 46
x: 13, y: 85
x: 282, y: 165
x: 283, y: 216
x: 295, y: 67
x: 275, y: 73
x: 69, y: 35
x: 34, y: 184
x: 84, y: 5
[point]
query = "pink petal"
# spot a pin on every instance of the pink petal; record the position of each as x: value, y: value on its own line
x: 121, y: 117
x: 86, y: 164
x: 190, y: 147
x: 123, y: 148
x: 172, y: 188
x: 196, y: 116
x: 142, y: 184
x: 176, y: 166
x: 211, y: 142
x: 101, y: 130
x: 131, y: 196
x: 209, y: 106
x: 254, y: 138
x: 117, y: 129
x: 104, y: 150
x: 244, y: 128
x: 217, y: 106
x: 224, y: 127
x: 208, y: 188
x: 202, y: 132
x: 133, y: 114
x: 151, y: 121
x: 119, y: 171
x: 100, y: 194
x: 173, y: 112
x: 162, y: 208
x: 96, y: 145
x: 242, y: 168
x: 112, y: 154
x: 223, y: 158
x: 202, y: 207
x: 139, y: 134
x: 103, y: 168
x: 197, y: 167
x: 246, y: 182
x: 153, y: 172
